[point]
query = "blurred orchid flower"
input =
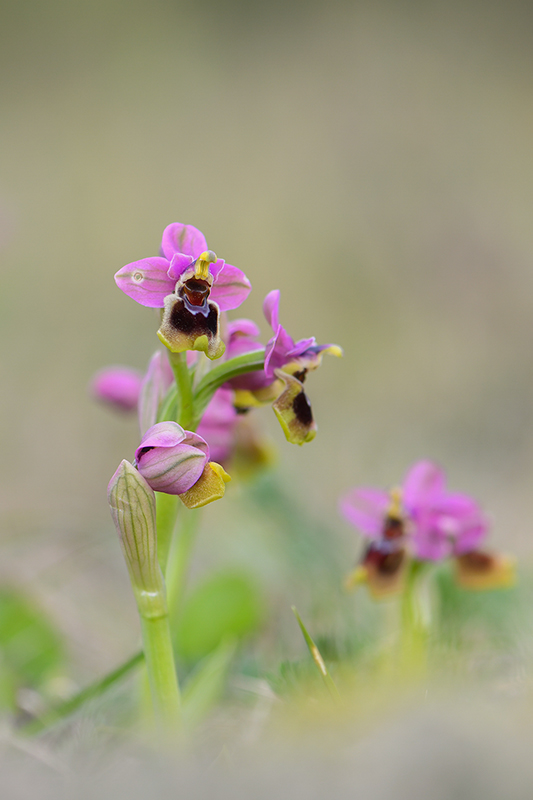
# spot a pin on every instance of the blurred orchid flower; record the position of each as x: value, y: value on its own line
x: 428, y: 521
x: 118, y: 386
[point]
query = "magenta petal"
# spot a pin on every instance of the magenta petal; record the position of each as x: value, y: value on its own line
x: 146, y: 281
x: 194, y: 440
x: 178, y: 265
x: 471, y: 536
x: 179, y: 238
x: 366, y: 508
x: 430, y: 542
x: 424, y: 484
x: 164, y: 434
x: 119, y: 386
x: 216, y: 267
x: 276, y: 351
x: 301, y: 347
x: 218, y: 425
x: 458, y: 506
x: 271, y: 308
x: 172, y: 469
x: 231, y: 288
x: 242, y: 327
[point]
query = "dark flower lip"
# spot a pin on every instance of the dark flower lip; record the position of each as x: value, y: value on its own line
x: 188, y: 327
x: 293, y: 411
x: 484, y: 570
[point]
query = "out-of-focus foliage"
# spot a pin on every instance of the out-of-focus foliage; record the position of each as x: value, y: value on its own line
x: 31, y: 649
x: 225, y: 606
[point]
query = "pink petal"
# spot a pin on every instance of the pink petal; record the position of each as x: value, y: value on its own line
x: 471, y: 536
x: 271, y: 308
x: 423, y: 485
x: 164, y: 434
x: 146, y: 281
x: 119, y: 386
x: 178, y: 265
x: 366, y: 508
x: 179, y: 238
x: 276, y: 351
x: 194, y: 440
x: 243, y: 327
x: 218, y: 425
x: 430, y: 543
x: 231, y: 288
x: 172, y: 469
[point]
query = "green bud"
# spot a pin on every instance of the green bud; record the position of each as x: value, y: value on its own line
x: 132, y: 503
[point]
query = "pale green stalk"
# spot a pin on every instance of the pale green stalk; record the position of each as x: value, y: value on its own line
x: 167, y: 506
x: 178, y: 362
x: 415, y: 620
x: 179, y: 560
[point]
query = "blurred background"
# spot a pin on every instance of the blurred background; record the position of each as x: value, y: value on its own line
x: 372, y: 160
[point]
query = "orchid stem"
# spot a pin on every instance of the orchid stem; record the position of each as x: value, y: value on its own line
x: 179, y: 560
x: 178, y: 362
x: 162, y: 676
x: 415, y: 620
x: 167, y: 506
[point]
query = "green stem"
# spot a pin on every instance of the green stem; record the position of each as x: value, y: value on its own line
x: 179, y: 560
x: 415, y: 619
x: 178, y: 362
x: 159, y: 659
x: 167, y: 506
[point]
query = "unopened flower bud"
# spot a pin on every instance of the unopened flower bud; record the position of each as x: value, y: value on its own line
x: 118, y: 387
x: 170, y: 458
x: 132, y: 504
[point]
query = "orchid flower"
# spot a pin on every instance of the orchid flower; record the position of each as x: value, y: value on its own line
x: 286, y: 366
x: 175, y: 461
x: 424, y: 519
x: 191, y: 284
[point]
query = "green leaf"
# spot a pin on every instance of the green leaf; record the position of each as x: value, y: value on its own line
x: 317, y: 658
x: 227, y: 605
x: 29, y: 644
x: 206, y: 684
